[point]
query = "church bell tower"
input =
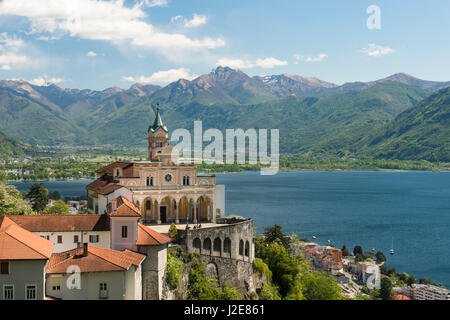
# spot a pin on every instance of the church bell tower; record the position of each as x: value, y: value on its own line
x: 158, y: 137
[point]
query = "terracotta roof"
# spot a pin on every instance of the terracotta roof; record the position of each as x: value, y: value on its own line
x: 124, y: 208
x: 104, y: 185
x: 400, y: 297
x: 59, y: 222
x: 97, y: 260
x: 309, y: 249
x: 17, y: 243
x: 149, y: 237
x: 109, y: 169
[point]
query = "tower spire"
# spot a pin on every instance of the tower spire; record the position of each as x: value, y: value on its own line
x: 158, y: 123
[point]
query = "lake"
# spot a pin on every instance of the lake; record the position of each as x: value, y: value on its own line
x: 354, y: 208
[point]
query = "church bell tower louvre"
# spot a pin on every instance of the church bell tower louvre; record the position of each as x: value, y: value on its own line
x: 158, y: 136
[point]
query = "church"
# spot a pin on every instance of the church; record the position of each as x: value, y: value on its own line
x: 164, y: 189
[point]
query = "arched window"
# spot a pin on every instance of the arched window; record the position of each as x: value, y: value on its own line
x: 197, y: 244
x: 207, y: 245
x: 241, y: 248
x: 247, y: 248
x: 117, y: 172
x: 148, y: 181
x: 151, y: 181
x: 187, y: 180
x: 184, y: 180
x: 217, y: 245
x: 227, y: 247
x: 148, y: 205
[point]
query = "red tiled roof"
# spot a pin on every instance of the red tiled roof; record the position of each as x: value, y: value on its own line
x: 104, y: 185
x: 149, y: 237
x: 309, y: 249
x: 97, y: 260
x: 400, y: 297
x: 59, y: 222
x: 109, y: 169
x: 17, y: 243
x: 124, y: 208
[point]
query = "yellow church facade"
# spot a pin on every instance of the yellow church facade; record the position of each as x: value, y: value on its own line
x: 164, y: 190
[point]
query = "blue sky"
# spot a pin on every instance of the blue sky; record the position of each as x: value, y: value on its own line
x: 99, y: 44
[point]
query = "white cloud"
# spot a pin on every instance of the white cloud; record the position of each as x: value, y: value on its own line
x: 10, y: 51
x: 318, y: 58
x: 91, y: 54
x: 44, y: 80
x: 197, y: 20
x: 102, y: 20
x: 374, y: 50
x: 247, y: 64
x: 46, y: 38
x: 162, y: 77
x: 235, y: 63
x: 155, y: 3
x: 270, y: 63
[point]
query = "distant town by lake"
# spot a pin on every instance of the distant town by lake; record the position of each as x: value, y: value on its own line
x: 372, y: 209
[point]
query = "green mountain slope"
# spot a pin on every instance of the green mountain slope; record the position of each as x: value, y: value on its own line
x: 10, y: 147
x: 422, y: 132
x: 328, y: 124
x: 33, y: 122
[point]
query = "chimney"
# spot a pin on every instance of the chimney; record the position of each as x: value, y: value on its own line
x: 113, y: 205
x: 85, y: 249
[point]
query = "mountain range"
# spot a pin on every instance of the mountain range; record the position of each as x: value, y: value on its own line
x: 314, y: 116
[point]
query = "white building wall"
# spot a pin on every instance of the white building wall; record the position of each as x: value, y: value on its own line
x: 22, y: 273
x: 90, y: 286
x: 68, y: 243
x: 119, y: 243
x: 220, y: 199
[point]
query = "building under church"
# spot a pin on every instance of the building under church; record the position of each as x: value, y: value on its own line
x: 163, y: 189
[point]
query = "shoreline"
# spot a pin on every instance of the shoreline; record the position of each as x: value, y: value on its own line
x: 243, y: 171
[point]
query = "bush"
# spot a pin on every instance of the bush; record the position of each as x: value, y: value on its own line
x: 174, y: 270
x: 173, y: 232
x: 261, y: 268
x: 269, y: 292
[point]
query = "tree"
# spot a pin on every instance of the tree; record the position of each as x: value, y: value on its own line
x: 59, y: 207
x: 320, y: 286
x: 55, y: 195
x: 3, y: 177
x: 274, y: 233
x: 173, y: 232
x: 386, y: 288
x: 411, y: 280
x: 11, y: 201
x: 380, y: 257
x: 357, y: 250
x: 38, y: 195
x: 345, y: 252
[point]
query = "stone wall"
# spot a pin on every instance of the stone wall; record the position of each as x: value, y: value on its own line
x: 232, y: 238
x: 227, y: 251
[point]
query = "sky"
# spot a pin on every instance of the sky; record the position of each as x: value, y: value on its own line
x: 98, y: 44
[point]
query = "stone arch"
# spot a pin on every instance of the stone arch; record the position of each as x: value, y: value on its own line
x: 197, y: 245
x: 247, y: 249
x: 217, y: 246
x: 183, y: 208
x: 227, y: 248
x: 147, y: 208
x: 241, y: 247
x: 207, y: 246
x: 166, y: 209
x: 211, y: 270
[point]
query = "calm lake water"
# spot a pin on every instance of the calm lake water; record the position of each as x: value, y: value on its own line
x: 355, y: 208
